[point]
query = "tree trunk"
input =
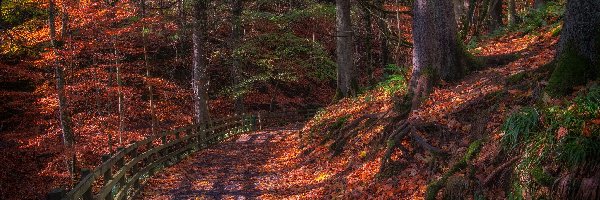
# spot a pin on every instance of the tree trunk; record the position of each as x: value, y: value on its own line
x: 578, y: 54
x: 436, y: 53
x: 64, y: 115
x: 346, y: 80
x: 368, y: 38
x: 148, y: 70
x: 383, y: 35
x: 469, y: 19
x: 495, y: 11
x: 236, y: 39
x: 512, y: 13
x: 199, y: 72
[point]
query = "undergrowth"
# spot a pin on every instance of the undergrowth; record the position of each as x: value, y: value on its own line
x: 547, y: 135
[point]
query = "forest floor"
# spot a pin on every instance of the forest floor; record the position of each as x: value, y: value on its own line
x: 248, y: 166
x: 286, y: 164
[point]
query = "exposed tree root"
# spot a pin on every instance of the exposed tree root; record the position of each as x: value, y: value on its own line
x: 349, y: 131
x: 498, y: 170
x: 406, y: 128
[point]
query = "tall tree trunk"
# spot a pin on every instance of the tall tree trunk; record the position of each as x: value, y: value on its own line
x: 236, y: 39
x: 64, y: 115
x: 199, y: 72
x: 383, y: 35
x: 578, y: 55
x: 346, y: 79
x: 513, y: 19
x: 469, y: 19
x: 495, y: 11
x: 148, y: 70
x: 436, y: 53
x: 368, y: 38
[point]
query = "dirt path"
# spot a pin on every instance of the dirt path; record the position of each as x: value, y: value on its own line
x: 249, y: 166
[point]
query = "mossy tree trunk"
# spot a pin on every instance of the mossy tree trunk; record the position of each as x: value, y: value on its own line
x: 578, y: 54
x: 346, y: 78
x: 437, y: 54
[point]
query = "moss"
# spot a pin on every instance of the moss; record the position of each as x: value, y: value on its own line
x: 434, y: 187
x: 571, y: 70
x: 516, y: 78
x: 473, y: 150
x: 456, y: 188
x: 542, y: 177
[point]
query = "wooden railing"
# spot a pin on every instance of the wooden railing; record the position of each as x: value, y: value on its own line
x: 120, y: 175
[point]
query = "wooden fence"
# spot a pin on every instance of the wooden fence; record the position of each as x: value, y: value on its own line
x: 121, y: 175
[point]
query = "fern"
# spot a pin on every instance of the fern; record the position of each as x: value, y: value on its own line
x: 520, y: 125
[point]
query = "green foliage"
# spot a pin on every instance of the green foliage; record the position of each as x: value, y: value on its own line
x: 15, y: 13
x: 281, y: 57
x: 567, y: 134
x: 516, y: 78
x: 21, y: 15
x: 396, y: 80
x: 575, y: 150
x: 541, y: 177
x: 284, y: 20
x: 435, y: 186
x: 519, y: 125
x: 536, y: 18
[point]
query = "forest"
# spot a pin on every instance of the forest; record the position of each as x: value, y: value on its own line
x: 300, y: 99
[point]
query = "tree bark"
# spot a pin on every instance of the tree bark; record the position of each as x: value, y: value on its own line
x: 64, y: 115
x: 383, y: 35
x: 512, y: 13
x: 578, y: 54
x: 236, y: 39
x: 495, y: 11
x: 368, y: 38
x: 346, y: 79
x: 148, y: 69
x: 199, y: 72
x: 436, y: 53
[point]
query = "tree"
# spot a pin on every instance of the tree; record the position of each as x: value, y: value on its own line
x: 237, y: 7
x: 383, y: 33
x: 578, y: 54
x: 199, y: 72
x: 64, y: 115
x: 495, y: 11
x: 367, y: 41
x: 437, y: 54
x: 346, y: 79
x: 512, y: 13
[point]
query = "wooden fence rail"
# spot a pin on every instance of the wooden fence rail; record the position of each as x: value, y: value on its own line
x: 122, y: 174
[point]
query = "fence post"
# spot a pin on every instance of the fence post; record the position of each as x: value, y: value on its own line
x: 107, y: 175
x: 56, y: 194
x: 87, y: 195
x: 134, y: 168
x: 259, y: 122
x: 120, y: 164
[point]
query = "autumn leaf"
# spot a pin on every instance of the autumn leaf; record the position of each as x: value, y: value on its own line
x: 562, y: 132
